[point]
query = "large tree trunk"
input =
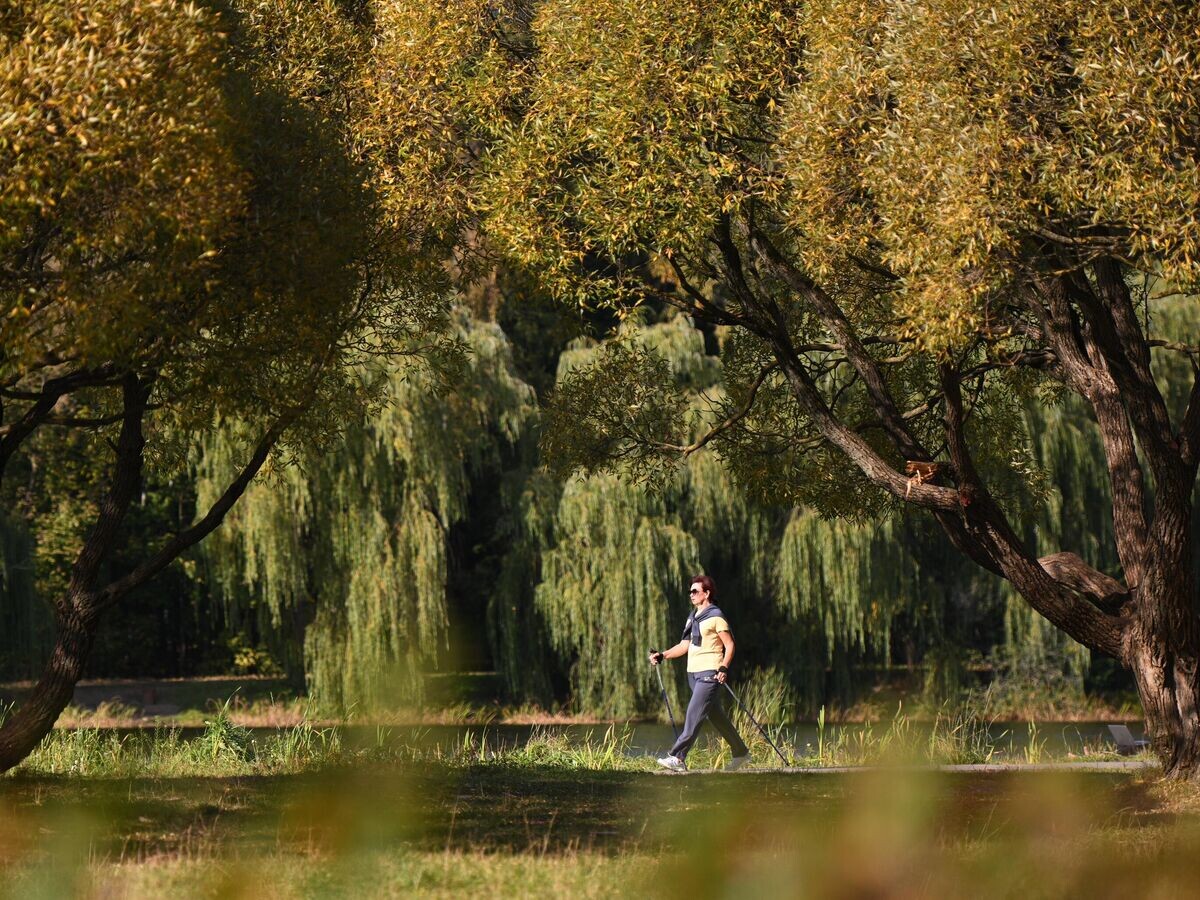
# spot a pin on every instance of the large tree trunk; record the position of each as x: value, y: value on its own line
x: 1162, y: 641
x: 1165, y: 668
x: 35, y: 717
x: 77, y: 612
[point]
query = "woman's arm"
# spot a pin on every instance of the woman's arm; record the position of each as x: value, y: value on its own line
x: 679, y: 649
x: 727, y: 643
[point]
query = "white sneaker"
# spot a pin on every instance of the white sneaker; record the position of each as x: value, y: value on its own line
x: 674, y: 763
x: 736, y: 763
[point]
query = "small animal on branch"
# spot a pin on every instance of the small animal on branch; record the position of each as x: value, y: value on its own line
x: 920, y: 472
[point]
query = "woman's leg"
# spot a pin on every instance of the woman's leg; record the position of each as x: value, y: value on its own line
x: 723, y: 724
x: 696, y: 711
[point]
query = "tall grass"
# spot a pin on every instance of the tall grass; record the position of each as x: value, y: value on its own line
x: 958, y: 735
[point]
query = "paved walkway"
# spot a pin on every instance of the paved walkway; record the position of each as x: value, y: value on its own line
x: 1121, y: 765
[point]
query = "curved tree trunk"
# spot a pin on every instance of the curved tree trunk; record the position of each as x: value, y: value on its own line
x: 79, y: 612
x: 33, y: 720
x: 76, y: 613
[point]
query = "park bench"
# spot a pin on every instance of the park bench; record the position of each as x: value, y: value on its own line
x: 1127, y: 745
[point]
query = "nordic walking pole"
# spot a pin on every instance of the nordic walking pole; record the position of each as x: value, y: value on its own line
x: 666, y: 699
x: 761, y: 730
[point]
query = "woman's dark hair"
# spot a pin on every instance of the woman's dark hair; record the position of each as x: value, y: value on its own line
x: 705, y: 583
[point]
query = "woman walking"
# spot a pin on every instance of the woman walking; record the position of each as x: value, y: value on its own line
x: 708, y: 644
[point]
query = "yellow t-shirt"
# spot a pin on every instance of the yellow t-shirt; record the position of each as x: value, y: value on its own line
x: 708, y: 654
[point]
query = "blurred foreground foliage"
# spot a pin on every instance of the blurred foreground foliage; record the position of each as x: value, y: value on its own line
x: 540, y: 830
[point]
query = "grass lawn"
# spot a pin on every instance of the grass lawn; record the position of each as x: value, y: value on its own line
x: 300, y: 812
x: 530, y: 830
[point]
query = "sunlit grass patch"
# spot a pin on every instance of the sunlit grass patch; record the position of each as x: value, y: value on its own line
x: 225, y: 747
x: 283, y: 712
x: 450, y: 874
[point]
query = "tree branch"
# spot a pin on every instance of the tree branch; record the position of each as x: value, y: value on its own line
x: 1189, y: 429
x: 1118, y: 345
x: 203, y: 527
x: 970, y: 486
x: 700, y: 307
x: 1069, y: 569
x: 735, y: 274
x: 44, y: 401
x: 1095, y: 384
x: 1098, y: 242
x: 877, y: 470
x: 837, y: 323
x: 84, y: 421
x: 737, y: 416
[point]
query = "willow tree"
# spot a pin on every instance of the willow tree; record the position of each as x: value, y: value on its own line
x: 813, y: 597
x: 349, y: 553
x: 910, y: 216
x: 615, y: 556
x: 183, y: 233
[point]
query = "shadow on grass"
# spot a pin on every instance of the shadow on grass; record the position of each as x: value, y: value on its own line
x: 502, y: 809
x: 532, y: 829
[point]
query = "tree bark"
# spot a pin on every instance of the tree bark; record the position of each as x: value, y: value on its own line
x: 1162, y: 642
x: 34, y: 718
x: 1164, y: 667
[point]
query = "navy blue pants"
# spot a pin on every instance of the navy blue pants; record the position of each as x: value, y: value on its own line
x: 706, y: 704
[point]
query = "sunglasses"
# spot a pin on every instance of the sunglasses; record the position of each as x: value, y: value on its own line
x: 694, y: 591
